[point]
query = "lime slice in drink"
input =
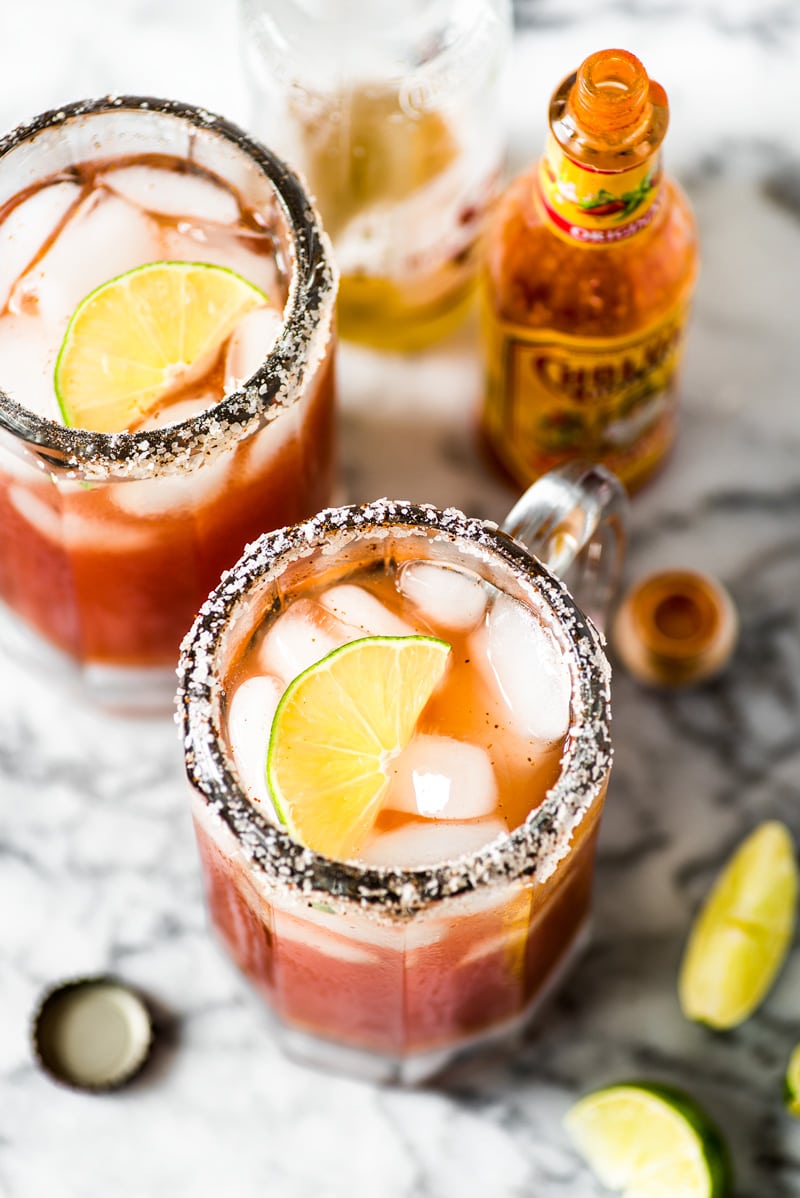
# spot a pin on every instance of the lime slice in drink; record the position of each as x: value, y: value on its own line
x: 742, y: 934
x: 650, y: 1141
x: 792, y: 1083
x: 336, y: 729
x: 134, y: 338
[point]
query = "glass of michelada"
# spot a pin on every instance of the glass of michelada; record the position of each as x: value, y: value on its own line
x: 166, y: 377
x: 396, y: 731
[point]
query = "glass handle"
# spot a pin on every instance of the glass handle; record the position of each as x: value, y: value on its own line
x: 574, y: 520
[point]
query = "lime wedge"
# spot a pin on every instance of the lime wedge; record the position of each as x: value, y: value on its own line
x: 742, y: 934
x: 792, y: 1083
x: 134, y: 338
x: 337, y: 727
x: 650, y: 1141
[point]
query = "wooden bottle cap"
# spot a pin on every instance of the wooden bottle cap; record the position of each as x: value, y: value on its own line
x: 675, y: 628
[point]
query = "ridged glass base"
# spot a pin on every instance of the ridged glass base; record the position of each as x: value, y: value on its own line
x: 327, y: 1055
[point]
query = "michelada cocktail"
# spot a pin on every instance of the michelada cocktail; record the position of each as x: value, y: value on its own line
x: 396, y: 729
x: 166, y: 376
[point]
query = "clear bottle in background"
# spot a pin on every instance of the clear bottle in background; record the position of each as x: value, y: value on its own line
x: 391, y: 111
x: 591, y: 259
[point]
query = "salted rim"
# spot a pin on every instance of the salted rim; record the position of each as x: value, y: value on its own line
x: 532, y: 851
x: 82, y: 453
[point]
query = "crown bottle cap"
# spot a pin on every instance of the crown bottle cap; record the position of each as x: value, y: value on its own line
x: 92, y: 1033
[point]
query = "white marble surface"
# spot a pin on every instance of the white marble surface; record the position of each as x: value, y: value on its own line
x: 97, y: 860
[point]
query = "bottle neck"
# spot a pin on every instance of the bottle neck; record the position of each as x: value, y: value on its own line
x: 609, y: 113
x: 600, y: 178
x: 597, y: 207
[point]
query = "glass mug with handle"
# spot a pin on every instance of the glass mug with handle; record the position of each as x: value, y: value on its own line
x: 396, y: 730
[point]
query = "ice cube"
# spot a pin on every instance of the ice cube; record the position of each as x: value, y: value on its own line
x: 174, y: 494
x: 251, y: 341
x: 18, y: 463
x: 259, y: 453
x: 442, y: 778
x: 416, y: 844
x: 358, y: 607
x: 104, y: 237
x: 302, y: 635
x: 173, y: 193
x: 28, y: 350
x: 65, y: 520
x: 528, y: 669
x: 27, y: 227
x: 222, y: 247
x: 184, y: 409
x: 241, y: 464
x: 250, y: 717
x: 443, y: 595
x: 317, y: 939
x: 41, y: 515
x: 510, y: 945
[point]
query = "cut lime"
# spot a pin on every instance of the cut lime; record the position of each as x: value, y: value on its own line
x: 650, y: 1141
x: 133, y: 338
x: 336, y: 729
x: 742, y: 934
x: 792, y: 1083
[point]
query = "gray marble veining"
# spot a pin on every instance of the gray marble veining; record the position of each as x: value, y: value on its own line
x: 97, y: 862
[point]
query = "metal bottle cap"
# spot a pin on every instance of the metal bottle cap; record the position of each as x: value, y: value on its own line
x: 675, y: 628
x: 92, y: 1033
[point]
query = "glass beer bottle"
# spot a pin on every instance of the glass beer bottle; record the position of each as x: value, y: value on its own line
x: 590, y: 265
x: 391, y: 111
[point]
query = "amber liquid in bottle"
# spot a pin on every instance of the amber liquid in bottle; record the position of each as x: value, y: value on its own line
x: 590, y: 265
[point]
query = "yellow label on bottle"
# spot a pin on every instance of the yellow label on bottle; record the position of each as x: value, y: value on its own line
x: 597, y: 207
x: 553, y: 397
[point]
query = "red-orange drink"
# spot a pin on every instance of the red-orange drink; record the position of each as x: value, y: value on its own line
x: 110, y: 539
x: 453, y: 913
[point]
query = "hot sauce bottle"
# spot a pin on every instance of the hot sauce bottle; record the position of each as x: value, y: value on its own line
x: 590, y: 265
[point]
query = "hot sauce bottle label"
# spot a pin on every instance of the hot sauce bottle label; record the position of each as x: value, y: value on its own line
x: 555, y: 396
x: 597, y: 207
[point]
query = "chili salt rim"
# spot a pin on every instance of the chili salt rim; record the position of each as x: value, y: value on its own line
x: 181, y: 447
x: 532, y: 851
